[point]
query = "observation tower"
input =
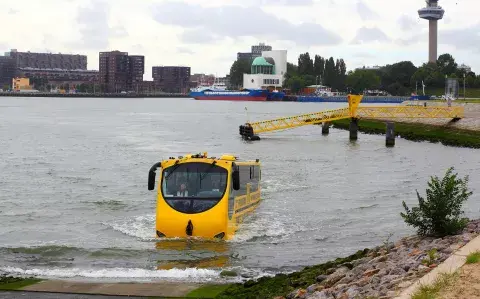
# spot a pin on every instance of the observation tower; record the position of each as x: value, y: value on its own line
x: 432, y: 12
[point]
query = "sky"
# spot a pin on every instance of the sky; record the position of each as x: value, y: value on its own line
x: 206, y: 35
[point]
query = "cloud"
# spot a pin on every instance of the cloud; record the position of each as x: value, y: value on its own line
x: 12, y: 11
x: 285, y: 2
x: 407, y: 23
x: 462, y: 38
x: 365, y: 12
x: 366, y: 35
x: 94, y: 28
x: 197, y: 36
x: 184, y: 50
x: 236, y: 21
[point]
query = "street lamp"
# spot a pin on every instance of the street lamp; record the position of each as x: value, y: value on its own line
x: 464, y: 96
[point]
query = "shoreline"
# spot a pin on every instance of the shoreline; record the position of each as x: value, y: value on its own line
x: 445, y: 134
x: 385, y: 271
x: 91, y: 95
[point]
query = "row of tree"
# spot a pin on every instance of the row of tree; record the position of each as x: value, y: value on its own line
x: 400, y: 79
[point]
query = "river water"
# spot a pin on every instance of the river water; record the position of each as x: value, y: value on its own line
x: 74, y: 201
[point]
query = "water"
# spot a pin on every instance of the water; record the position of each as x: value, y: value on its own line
x: 74, y: 201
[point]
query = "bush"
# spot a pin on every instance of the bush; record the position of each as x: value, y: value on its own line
x: 440, y: 214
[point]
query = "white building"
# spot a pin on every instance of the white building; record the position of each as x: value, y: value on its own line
x: 267, y: 71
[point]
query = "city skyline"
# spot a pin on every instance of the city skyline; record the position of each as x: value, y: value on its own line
x: 372, y: 34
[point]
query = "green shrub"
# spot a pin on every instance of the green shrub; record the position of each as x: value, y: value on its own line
x: 440, y: 214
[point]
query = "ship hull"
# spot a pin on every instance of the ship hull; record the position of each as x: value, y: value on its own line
x: 230, y: 98
x: 244, y: 95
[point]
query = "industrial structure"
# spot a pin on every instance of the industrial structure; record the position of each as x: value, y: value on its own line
x: 432, y: 12
x: 267, y: 71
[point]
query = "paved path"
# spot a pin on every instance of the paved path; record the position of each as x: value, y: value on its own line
x: 154, y: 289
x: 28, y: 295
x: 450, y: 265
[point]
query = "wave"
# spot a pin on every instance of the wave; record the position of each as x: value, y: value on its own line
x: 192, y: 274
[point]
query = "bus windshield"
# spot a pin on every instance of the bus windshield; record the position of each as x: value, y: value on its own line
x: 194, y: 187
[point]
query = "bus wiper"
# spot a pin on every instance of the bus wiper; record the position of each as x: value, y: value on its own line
x: 175, y: 166
x: 208, y: 170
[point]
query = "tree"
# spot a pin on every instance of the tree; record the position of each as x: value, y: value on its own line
x: 295, y: 84
x: 439, y: 215
x: 330, y: 72
x: 6, y: 87
x: 447, y: 64
x: 319, y: 66
x: 239, y: 67
x: 360, y: 80
x: 305, y: 64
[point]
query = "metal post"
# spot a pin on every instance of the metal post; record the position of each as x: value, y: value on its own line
x: 325, y: 128
x: 354, y: 129
x: 390, y: 135
x: 464, y: 96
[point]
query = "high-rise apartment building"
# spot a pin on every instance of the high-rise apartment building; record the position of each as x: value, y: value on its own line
x: 120, y: 72
x: 137, y: 69
x: 48, y: 60
x: 7, y: 71
x: 174, y: 79
x: 255, y: 52
x: 258, y: 49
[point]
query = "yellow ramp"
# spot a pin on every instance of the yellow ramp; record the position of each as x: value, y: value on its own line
x: 299, y: 120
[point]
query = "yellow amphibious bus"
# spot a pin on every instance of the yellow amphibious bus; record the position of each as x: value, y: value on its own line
x: 205, y: 197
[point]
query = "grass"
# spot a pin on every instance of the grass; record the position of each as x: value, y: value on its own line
x: 8, y: 283
x: 473, y: 257
x: 443, y: 281
x: 283, y: 284
x: 419, y: 132
x: 209, y: 291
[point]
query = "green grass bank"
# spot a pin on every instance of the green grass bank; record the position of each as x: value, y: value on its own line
x: 8, y: 283
x: 283, y: 284
x: 418, y: 132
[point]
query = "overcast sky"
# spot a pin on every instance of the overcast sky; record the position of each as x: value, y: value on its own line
x: 206, y: 35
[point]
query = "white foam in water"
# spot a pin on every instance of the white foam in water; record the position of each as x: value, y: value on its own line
x: 192, y: 274
x: 142, y: 227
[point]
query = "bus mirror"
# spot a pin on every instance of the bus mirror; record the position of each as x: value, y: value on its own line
x: 236, y: 179
x: 151, y: 175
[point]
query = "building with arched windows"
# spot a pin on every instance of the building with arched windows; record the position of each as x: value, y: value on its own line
x: 267, y: 71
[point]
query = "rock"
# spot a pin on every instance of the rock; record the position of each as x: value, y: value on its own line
x: 321, y: 278
x: 336, y: 276
x: 397, y: 271
x: 297, y: 294
x: 370, y: 273
x: 471, y: 227
x: 347, y: 279
x: 330, y: 271
x: 312, y: 289
x: 228, y: 273
x: 353, y: 292
x: 358, y: 262
x: 379, y: 259
x: 381, y: 265
x: 320, y: 295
